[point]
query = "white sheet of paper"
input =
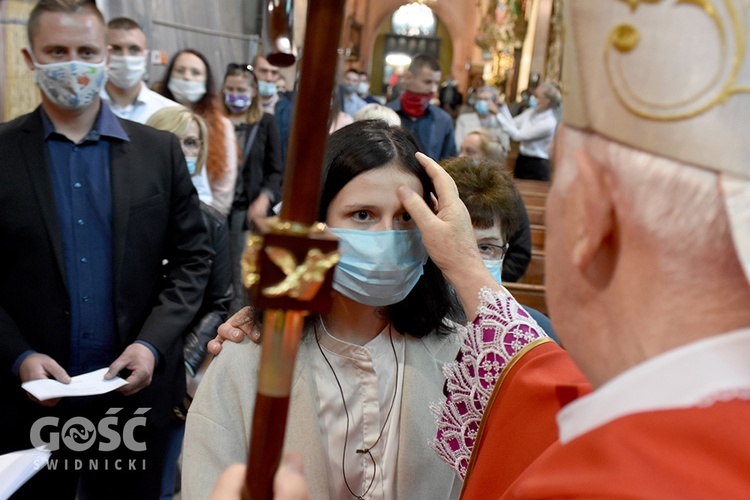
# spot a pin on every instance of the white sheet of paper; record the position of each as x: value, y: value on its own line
x: 18, y: 467
x: 88, y: 384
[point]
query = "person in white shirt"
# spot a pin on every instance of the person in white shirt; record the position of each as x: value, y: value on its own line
x: 534, y: 129
x: 125, y: 92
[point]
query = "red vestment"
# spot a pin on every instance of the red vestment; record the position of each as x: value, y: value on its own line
x: 700, y: 452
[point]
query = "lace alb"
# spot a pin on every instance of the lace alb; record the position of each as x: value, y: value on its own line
x: 502, y: 328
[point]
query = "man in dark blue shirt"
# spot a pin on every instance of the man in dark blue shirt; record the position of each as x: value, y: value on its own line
x: 432, y: 126
x: 104, y: 259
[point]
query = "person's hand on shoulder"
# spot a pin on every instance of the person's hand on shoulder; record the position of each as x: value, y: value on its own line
x: 237, y: 327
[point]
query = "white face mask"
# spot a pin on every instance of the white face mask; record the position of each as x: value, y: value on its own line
x: 126, y: 71
x: 70, y: 84
x: 363, y: 88
x: 187, y: 91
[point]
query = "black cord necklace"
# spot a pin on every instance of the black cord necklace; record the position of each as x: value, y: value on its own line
x: 346, y: 412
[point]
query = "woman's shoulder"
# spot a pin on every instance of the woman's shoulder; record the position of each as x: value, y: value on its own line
x: 442, y: 344
x: 237, y: 360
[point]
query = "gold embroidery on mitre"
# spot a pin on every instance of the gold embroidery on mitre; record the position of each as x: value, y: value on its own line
x: 302, y: 281
x: 635, y: 3
x: 625, y: 37
x: 732, y: 35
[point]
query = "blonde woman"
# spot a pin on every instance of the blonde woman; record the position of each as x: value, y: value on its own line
x: 192, y: 132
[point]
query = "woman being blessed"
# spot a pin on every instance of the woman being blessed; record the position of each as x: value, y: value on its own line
x: 366, y: 373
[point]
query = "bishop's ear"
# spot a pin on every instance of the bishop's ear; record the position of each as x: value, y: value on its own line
x: 596, y: 249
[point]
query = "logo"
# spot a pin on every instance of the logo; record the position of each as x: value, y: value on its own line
x: 80, y: 434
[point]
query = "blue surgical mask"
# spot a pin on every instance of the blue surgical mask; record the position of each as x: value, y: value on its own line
x: 266, y: 89
x: 192, y: 162
x: 482, y: 108
x: 348, y: 89
x: 533, y: 101
x: 496, y: 269
x: 378, y: 268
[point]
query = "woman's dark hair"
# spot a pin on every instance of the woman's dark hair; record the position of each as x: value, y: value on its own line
x: 210, y: 100
x: 367, y: 145
x: 210, y: 108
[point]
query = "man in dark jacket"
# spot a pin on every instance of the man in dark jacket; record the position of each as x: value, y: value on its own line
x: 92, y: 206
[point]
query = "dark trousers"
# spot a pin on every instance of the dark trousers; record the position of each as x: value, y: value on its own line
x: 530, y: 167
x: 237, y: 238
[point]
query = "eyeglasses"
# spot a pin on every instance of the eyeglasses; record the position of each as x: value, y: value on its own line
x: 191, y: 144
x: 244, y: 67
x: 492, y: 252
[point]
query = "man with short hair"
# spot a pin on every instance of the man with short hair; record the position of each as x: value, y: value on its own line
x: 351, y: 102
x: 104, y: 260
x: 125, y: 92
x: 363, y: 88
x: 273, y: 102
x: 432, y: 126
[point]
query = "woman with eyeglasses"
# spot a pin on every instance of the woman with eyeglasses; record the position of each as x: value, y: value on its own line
x: 192, y: 131
x: 261, y: 172
x: 189, y: 81
x: 479, y: 146
x: 497, y: 212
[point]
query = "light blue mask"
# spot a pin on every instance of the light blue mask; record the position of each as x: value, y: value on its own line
x: 192, y: 162
x: 482, y: 108
x: 266, y: 89
x: 496, y: 269
x: 533, y: 101
x: 378, y: 268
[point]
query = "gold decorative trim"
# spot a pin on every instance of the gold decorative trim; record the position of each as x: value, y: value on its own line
x: 301, y: 281
x: 508, y: 367
x: 625, y: 37
x: 290, y: 228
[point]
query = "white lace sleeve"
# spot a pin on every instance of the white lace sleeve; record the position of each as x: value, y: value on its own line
x: 502, y: 328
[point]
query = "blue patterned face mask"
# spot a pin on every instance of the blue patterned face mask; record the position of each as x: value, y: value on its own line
x: 70, y: 84
x: 496, y: 269
x: 378, y: 268
x: 533, y: 101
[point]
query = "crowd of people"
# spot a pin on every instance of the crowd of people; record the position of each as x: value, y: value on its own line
x: 127, y: 209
